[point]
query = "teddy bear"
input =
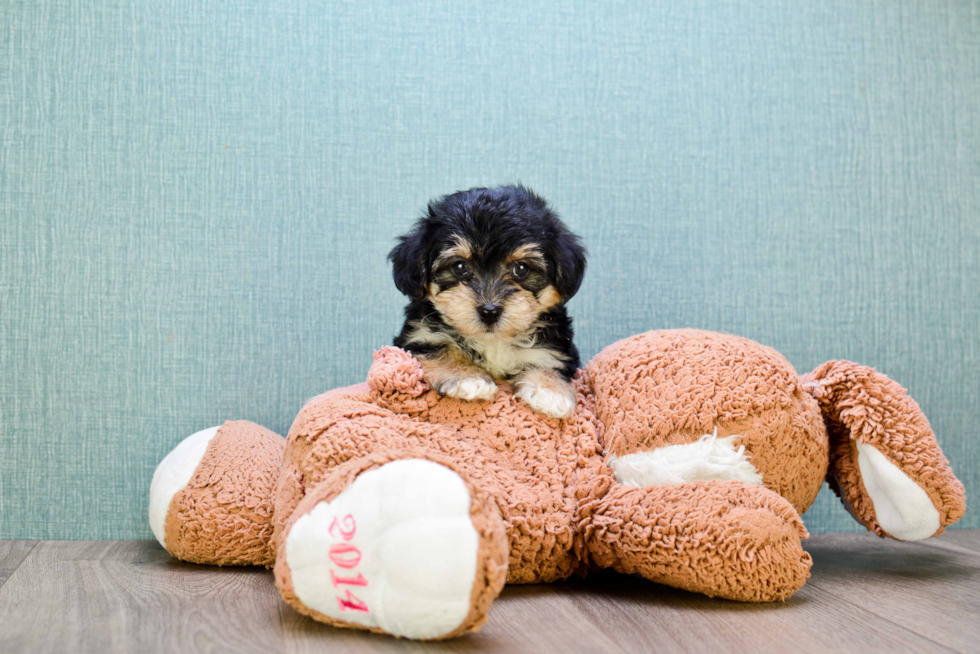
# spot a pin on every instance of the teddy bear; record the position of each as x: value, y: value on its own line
x: 689, y: 459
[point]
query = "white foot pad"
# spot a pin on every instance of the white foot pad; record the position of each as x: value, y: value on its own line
x: 395, y: 550
x: 902, y: 508
x: 173, y: 473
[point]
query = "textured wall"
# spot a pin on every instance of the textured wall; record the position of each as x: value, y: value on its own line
x: 195, y: 203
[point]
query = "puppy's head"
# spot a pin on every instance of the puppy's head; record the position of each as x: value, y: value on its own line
x: 490, y: 260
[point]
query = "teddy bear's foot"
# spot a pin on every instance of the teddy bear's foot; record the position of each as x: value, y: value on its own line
x: 403, y: 549
x: 886, y: 465
x: 211, y: 498
x: 172, y: 475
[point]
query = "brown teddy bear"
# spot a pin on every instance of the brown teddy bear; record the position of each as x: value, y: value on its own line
x: 689, y: 459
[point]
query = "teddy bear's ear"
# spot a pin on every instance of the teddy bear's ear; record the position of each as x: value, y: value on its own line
x: 886, y: 465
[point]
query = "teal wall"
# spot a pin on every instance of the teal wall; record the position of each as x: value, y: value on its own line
x: 196, y: 201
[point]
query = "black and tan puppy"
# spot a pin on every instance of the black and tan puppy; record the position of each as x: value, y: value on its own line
x: 488, y: 272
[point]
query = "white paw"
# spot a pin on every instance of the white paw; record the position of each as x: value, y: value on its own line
x: 395, y: 550
x: 547, y: 401
x: 469, y: 388
x: 902, y: 507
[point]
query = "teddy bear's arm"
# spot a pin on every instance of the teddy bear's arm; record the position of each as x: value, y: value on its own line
x: 721, y: 538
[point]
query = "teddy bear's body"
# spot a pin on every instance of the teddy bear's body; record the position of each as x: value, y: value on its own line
x: 688, y: 460
x: 528, y: 463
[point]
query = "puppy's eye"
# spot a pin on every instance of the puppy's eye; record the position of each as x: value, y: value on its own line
x: 519, y: 270
x: 461, y: 270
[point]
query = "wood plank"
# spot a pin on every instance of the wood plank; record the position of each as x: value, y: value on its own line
x: 865, y: 595
x: 536, y: 618
x: 640, y: 616
x: 12, y: 553
x: 616, y: 613
x: 930, y: 590
x: 963, y: 540
x: 132, y: 597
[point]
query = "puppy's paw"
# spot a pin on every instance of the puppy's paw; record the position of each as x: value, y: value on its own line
x: 547, y: 393
x: 469, y: 387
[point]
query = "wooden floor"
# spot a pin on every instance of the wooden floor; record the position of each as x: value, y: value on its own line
x: 866, y: 595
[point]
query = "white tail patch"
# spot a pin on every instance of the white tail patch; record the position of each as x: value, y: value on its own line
x: 710, y: 458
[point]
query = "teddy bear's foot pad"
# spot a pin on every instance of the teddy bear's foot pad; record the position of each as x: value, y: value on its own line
x: 902, y: 507
x: 395, y: 551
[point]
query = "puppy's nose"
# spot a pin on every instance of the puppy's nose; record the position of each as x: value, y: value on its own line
x: 489, y: 313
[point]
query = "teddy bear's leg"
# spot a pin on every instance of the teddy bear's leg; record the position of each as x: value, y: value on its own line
x: 211, y: 498
x: 721, y: 538
x: 397, y: 543
x: 885, y: 463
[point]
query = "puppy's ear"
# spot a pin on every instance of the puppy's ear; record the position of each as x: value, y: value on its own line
x: 569, y: 262
x: 409, y: 265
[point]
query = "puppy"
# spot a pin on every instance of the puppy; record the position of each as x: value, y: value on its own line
x: 488, y: 272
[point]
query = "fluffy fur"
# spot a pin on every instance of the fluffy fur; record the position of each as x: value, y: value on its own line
x: 488, y: 273
x: 709, y: 457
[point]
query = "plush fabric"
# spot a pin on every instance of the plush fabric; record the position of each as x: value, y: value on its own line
x: 491, y: 557
x: 224, y: 514
x: 865, y: 407
x: 545, y: 501
x: 670, y: 387
x: 529, y: 462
